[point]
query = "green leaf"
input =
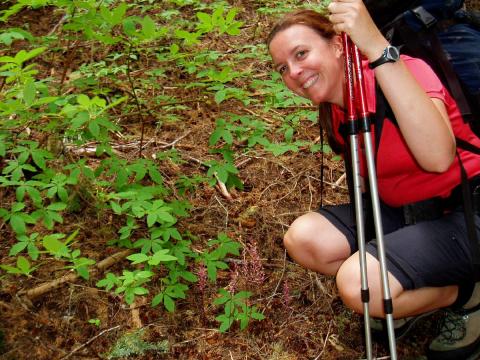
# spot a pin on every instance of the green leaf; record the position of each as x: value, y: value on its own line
x: 140, y: 291
x: 117, y: 209
x: 220, y: 96
x: 148, y: 28
x: 118, y: 13
x: 138, y: 258
x: 34, y: 195
x: 80, y: 119
x: 212, y: 271
x: 18, y: 247
x: 161, y: 256
x: 10, y: 269
x: 58, y: 206
x: 187, y: 275
x: 108, y: 282
x: 168, y: 303
x: 18, y: 224
x: 83, y: 100
x: 155, y: 175
x: 151, y: 219
x: 94, y: 128
x: 29, y: 93
x: 16, y: 207
x: 225, y: 322
x: 166, y: 217
x: 55, y: 246
x: 242, y: 295
x: 83, y: 272
x: 157, y: 299
x: 23, y: 264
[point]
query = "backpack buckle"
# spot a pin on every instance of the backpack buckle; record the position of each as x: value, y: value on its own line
x: 424, y: 16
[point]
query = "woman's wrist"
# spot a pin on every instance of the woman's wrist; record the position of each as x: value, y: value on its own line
x: 376, y: 51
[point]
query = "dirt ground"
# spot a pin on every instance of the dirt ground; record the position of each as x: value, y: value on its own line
x: 304, y: 317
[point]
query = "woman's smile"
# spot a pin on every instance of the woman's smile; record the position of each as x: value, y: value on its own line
x: 312, y: 80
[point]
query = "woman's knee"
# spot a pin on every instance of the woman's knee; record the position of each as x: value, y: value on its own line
x: 315, y: 243
x: 349, y: 285
x: 308, y: 229
x: 300, y: 232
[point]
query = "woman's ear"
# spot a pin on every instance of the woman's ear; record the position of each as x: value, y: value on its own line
x: 337, y: 45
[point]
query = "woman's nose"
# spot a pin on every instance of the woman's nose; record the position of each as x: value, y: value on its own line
x: 295, y: 71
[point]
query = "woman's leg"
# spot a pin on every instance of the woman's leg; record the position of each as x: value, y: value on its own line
x: 315, y: 243
x: 405, y: 302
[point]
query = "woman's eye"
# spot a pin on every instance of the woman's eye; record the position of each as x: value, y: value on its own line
x: 282, y: 69
x: 300, y: 54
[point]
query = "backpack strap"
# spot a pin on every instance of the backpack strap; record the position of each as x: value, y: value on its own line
x: 469, y: 211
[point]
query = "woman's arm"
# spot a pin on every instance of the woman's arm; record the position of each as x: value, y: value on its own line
x: 423, y: 121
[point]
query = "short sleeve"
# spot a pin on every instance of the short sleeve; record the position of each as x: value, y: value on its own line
x: 426, y: 77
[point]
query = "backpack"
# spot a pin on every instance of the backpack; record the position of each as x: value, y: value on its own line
x: 415, y: 26
x: 418, y: 29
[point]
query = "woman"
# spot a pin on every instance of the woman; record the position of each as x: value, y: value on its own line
x: 429, y: 262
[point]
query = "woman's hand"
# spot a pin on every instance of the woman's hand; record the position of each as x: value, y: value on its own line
x: 352, y: 17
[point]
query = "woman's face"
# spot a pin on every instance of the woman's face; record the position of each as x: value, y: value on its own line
x: 311, y: 66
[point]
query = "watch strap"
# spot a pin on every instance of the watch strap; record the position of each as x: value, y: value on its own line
x: 384, y: 58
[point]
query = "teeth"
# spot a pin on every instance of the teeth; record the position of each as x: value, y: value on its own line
x: 310, y: 82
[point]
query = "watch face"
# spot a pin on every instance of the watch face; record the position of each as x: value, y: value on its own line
x: 392, y: 53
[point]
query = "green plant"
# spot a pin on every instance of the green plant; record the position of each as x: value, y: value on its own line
x: 8, y: 36
x: 95, y: 322
x: 17, y: 218
x: 123, y: 68
x: 61, y: 250
x: 23, y: 267
x: 236, y: 308
x: 49, y: 214
x: 132, y: 344
x: 214, y: 260
x: 27, y: 242
x: 216, y: 21
x: 129, y: 283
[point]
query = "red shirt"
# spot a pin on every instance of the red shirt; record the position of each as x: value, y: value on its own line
x: 400, y: 179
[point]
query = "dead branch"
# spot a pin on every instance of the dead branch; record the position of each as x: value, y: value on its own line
x: 337, y: 183
x: 49, y: 286
x: 89, y: 341
x: 136, y: 321
x: 223, y: 189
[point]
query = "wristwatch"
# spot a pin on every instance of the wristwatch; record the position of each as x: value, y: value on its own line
x: 390, y: 54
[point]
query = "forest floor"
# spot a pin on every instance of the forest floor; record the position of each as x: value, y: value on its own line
x: 304, y: 317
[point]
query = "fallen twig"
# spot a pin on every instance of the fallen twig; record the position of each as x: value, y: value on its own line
x: 89, y: 341
x: 48, y: 286
x: 223, y: 189
x: 136, y: 321
x: 339, y: 181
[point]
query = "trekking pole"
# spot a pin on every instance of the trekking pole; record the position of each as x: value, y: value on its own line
x: 357, y: 188
x: 355, y: 98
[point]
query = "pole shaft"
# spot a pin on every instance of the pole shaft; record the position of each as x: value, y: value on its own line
x: 355, y: 94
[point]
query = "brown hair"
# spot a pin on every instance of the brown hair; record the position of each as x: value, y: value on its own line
x: 314, y: 20
x: 319, y: 23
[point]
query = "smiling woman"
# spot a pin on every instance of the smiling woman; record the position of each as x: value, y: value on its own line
x: 310, y: 65
x: 415, y: 166
x: 296, y: 51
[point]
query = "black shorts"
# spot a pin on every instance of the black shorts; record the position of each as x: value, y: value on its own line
x: 429, y: 253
